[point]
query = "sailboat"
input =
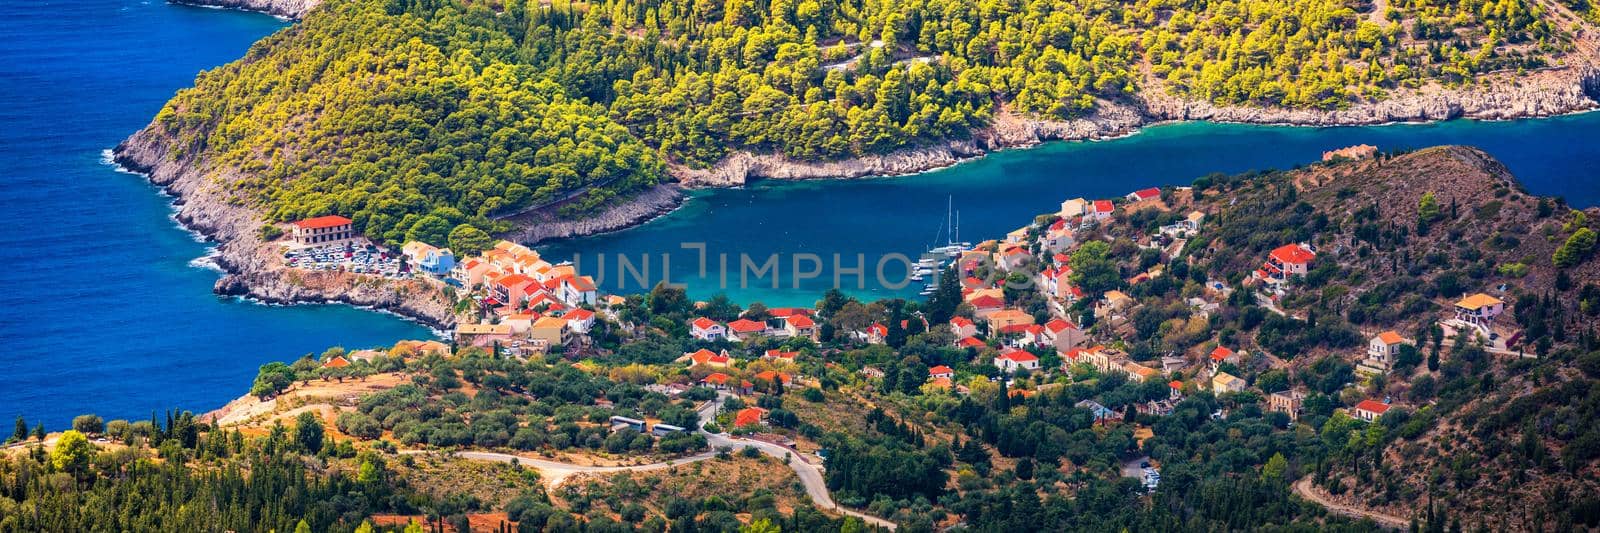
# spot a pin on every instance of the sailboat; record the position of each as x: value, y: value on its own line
x: 952, y: 247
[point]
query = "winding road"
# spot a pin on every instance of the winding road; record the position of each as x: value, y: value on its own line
x: 1305, y: 489
x: 555, y: 473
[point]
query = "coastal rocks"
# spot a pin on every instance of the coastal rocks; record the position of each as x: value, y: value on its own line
x: 653, y: 202
x: 253, y: 268
x: 1109, y: 119
x: 289, y: 9
x: 739, y: 167
x: 1544, y: 93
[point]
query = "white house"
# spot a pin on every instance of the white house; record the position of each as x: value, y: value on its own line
x: 1144, y: 194
x: 1100, y: 210
x: 1384, y: 347
x: 963, y: 327
x: 1370, y: 410
x: 1479, y: 309
x: 1062, y: 334
x: 1012, y: 360
x: 707, y: 329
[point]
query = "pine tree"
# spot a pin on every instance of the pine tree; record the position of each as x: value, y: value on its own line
x: 21, y: 433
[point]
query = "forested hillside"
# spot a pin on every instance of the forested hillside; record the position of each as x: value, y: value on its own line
x: 419, y: 117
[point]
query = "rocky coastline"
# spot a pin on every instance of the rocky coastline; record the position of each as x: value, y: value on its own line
x: 252, y: 267
x: 1551, y: 92
x: 543, y: 225
x: 286, y: 9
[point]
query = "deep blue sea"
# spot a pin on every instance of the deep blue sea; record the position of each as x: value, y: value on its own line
x: 105, y: 310
x: 101, y: 310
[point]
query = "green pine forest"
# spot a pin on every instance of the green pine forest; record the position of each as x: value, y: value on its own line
x: 433, y: 119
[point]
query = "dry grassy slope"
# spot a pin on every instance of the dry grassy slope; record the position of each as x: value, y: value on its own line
x: 1480, y: 201
x: 1478, y: 198
x: 1487, y: 219
x: 734, y: 480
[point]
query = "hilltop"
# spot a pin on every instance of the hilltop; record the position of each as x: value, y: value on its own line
x: 1495, y: 429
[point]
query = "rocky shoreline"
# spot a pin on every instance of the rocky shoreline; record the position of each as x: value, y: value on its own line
x: 1552, y: 92
x: 642, y: 207
x: 252, y: 267
x: 287, y: 9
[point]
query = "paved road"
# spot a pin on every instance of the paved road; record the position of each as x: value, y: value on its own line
x: 1305, y: 489
x: 810, y: 475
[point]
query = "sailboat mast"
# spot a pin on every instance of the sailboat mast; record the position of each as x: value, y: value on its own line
x: 949, y: 203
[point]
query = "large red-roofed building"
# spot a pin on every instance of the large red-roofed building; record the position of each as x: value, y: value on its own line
x: 323, y: 230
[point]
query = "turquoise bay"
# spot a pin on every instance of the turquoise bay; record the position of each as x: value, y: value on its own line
x: 869, y: 218
x: 104, y: 312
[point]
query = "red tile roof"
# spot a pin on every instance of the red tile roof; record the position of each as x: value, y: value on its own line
x: 1103, y: 206
x: 703, y: 323
x: 801, y: 321
x: 1056, y: 325
x: 941, y: 370
x: 748, y: 416
x: 1146, y: 194
x: 745, y: 325
x: 960, y: 322
x: 1017, y: 328
x: 1176, y: 385
x: 1372, y: 406
x: 1019, y: 356
x: 773, y: 376
x: 1292, y: 253
x: 704, y: 356
x: 1221, y: 353
x: 513, y: 281
x: 878, y: 329
x: 337, y: 362
x: 716, y: 378
x: 330, y: 221
x: 970, y: 342
x: 578, y: 314
x: 986, y: 302
x: 581, y: 283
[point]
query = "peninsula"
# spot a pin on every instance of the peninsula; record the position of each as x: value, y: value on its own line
x: 442, y: 121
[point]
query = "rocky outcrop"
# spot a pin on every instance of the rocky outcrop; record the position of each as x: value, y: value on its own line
x: 252, y: 268
x: 544, y: 225
x: 290, y: 9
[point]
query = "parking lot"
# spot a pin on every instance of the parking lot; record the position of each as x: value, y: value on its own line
x: 360, y: 258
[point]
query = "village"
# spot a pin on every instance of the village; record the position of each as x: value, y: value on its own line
x: 1023, y: 322
x: 1254, y: 333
